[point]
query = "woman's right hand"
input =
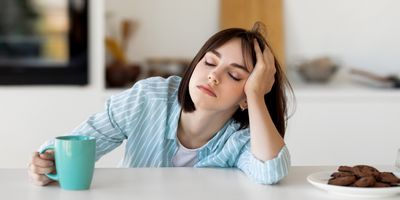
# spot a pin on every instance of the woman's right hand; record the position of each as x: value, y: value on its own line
x: 40, y: 165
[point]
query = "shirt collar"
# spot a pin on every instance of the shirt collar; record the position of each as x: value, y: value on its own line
x: 173, y: 121
x: 216, y: 139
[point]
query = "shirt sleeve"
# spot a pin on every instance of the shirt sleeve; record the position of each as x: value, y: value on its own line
x: 264, y: 172
x: 110, y: 127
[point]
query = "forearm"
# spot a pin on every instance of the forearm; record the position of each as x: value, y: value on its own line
x: 265, y: 139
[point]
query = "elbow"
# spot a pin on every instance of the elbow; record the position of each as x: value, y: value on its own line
x: 268, y: 176
x: 272, y: 171
x: 270, y: 180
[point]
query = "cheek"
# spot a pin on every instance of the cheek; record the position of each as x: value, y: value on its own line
x: 194, y: 76
x: 200, y: 69
x: 199, y: 74
x: 234, y: 94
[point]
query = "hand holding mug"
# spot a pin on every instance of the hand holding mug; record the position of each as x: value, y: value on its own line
x: 40, y: 165
x: 74, y: 160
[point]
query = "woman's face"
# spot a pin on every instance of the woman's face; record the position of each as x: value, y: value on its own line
x: 217, y: 82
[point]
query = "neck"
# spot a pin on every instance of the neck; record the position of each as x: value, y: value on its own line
x: 197, y: 128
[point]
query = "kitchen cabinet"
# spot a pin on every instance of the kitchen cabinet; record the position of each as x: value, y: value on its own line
x: 243, y: 14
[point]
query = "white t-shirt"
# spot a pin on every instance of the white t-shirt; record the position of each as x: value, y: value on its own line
x: 185, y: 157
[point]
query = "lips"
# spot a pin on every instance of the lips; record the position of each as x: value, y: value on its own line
x: 207, y: 89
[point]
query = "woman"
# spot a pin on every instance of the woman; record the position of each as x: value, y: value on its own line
x: 228, y: 110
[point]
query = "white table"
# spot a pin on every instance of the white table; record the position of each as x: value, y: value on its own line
x: 170, y: 183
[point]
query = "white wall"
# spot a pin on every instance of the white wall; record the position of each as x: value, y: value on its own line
x: 359, y: 33
x: 344, y: 127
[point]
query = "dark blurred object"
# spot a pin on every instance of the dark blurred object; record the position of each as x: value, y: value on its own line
x: 166, y: 67
x: 44, y: 43
x: 319, y: 70
x: 121, y: 75
x: 128, y: 28
x: 120, y: 72
x: 17, y: 23
x: 390, y: 80
x: 15, y: 48
x: 18, y: 17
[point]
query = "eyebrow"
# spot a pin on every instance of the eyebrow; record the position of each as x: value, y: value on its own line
x: 233, y: 64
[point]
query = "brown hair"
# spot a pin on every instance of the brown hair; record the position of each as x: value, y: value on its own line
x: 275, y: 99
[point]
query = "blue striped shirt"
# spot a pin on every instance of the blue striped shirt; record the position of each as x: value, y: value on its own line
x: 147, y: 116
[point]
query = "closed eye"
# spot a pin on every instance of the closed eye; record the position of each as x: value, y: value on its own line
x: 209, y: 64
x: 234, y: 78
x: 230, y: 74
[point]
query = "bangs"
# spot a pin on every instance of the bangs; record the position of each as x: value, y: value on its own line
x: 248, y: 52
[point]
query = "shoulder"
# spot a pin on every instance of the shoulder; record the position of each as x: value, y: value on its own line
x: 154, y: 88
x: 157, y: 83
x: 157, y: 87
x: 172, y: 81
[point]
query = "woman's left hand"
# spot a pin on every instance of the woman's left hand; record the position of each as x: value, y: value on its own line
x: 261, y: 79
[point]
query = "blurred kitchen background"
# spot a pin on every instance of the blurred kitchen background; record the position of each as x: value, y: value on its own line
x: 61, y: 59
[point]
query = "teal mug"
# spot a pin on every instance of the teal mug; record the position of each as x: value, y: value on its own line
x: 74, y: 159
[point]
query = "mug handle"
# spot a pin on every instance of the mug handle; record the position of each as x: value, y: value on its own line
x: 51, y: 176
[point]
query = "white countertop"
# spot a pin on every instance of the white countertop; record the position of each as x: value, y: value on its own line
x: 170, y: 183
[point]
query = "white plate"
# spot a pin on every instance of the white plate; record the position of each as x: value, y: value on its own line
x: 320, y: 180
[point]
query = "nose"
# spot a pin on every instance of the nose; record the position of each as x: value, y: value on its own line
x: 212, y: 78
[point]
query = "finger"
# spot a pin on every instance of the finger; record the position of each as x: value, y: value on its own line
x: 48, y: 155
x: 268, y: 55
x: 33, y: 176
x: 257, y: 49
x: 38, y: 179
x: 41, y: 170
x: 38, y: 161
